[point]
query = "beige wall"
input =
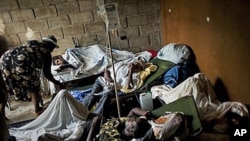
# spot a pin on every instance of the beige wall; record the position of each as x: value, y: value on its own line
x: 218, y: 31
x: 22, y: 20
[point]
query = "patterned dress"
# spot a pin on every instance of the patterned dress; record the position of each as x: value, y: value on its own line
x: 21, y: 67
x: 110, y: 130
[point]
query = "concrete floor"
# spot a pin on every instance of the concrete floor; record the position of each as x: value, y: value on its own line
x: 22, y: 110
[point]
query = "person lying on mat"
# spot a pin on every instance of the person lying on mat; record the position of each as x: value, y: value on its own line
x: 140, y: 124
x: 126, y: 74
x: 135, y: 125
x: 60, y: 63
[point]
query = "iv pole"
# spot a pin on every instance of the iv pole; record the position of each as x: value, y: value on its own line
x: 116, y: 94
x: 104, y: 16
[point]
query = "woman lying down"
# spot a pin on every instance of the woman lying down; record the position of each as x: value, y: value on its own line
x: 65, y: 119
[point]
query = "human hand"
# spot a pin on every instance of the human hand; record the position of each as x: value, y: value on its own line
x: 148, y: 115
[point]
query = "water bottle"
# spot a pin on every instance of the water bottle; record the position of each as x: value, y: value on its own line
x: 146, y: 101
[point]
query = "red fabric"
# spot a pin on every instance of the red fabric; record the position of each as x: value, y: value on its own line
x: 153, y: 52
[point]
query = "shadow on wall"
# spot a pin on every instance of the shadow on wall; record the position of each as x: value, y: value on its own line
x: 192, y: 58
x: 219, y: 87
x: 221, y: 91
x: 3, y: 44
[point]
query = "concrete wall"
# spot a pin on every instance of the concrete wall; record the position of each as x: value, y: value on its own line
x: 22, y: 20
x: 218, y: 32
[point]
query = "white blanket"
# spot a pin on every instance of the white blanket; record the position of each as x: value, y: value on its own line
x: 206, y: 101
x: 63, y: 119
x: 88, y: 61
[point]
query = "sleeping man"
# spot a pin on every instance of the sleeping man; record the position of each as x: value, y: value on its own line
x: 126, y: 75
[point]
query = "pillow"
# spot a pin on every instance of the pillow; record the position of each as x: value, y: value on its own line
x: 174, y: 52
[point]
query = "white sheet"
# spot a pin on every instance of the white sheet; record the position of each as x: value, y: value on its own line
x: 63, y: 119
x: 200, y: 88
x: 89, y: 61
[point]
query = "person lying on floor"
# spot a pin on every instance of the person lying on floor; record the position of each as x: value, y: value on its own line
x: 65, y: 119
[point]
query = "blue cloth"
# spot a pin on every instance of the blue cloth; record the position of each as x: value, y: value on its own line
x: 80, y: 94
x: 179, y: 73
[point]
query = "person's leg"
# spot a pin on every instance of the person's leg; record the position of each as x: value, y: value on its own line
x: 36, y: 98
x: 3, y: 102
x: 98, y: 85
x: 91, y: 99
x: 102, y: 107
x: 54, y: 89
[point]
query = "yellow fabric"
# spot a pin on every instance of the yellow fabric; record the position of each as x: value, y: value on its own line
x: 109, y: 131
x: 149, y: 68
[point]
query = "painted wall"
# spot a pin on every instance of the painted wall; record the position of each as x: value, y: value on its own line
x: 218, y: 32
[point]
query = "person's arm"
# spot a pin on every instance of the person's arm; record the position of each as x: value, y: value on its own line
x: 107, y: 75
x: 47, y: 69
x: 138, y: 112
x: 64, y: 66
x: 130, y: 75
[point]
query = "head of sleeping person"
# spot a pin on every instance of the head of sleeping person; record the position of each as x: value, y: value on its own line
x: 135, y: 128
x: 139, y: 65
x: 58, y: 60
